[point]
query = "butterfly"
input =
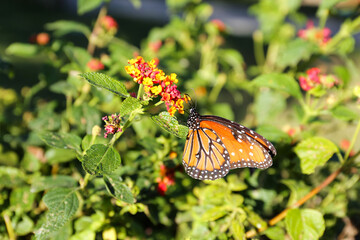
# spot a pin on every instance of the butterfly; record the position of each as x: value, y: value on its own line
x: 214, y: 145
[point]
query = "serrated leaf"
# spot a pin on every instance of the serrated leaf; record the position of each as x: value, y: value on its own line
x: 61, y: 140
x: 129, y: 105
x: 63, y: 204
x: 344, y: 113
x: 304, y: 224
x: 118, y: 189
x: 85, y: 6
x: 57, y: 181
x: 101, y: 159
x: 170, y: 124
x: 63, y: 27
x: 295, y: 51
x: 22, y: 49
x: 280, y: 82
x: 104, y: 81
x: 314, y: 152
x: 213, y: 214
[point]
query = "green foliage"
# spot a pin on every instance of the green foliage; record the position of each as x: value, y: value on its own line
x: 100, y: 159
x: 101, y: 80
x: 60, y: 178
x: 305, y: 224
x: 314, y: 152
x: 170, y: 124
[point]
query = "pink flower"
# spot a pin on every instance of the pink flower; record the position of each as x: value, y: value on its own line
x: 95, y: 65
x: 109, y: 23
x: 155, y: 46
x: 112, y: 124
x: 220, y: 25
x: 318, y: 35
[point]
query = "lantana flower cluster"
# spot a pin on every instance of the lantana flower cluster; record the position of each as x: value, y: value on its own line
x: 112, y: 124
x: 318, y: 35
x: 157, y: 83
x: 166, y: 179
x: 314, y: 78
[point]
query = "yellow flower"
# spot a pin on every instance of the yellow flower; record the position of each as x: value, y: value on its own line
x: 147, y: 81
x: 133, y: 61
x: 173, y: 78
x: 152, y: 63
x: 132, y: 70
x: 156, y: 90
x: 172, y: 111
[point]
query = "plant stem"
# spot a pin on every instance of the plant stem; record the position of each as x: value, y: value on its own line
x: 91, y: 45
x: 9, y: 227
x: 353, y: 140
x: 221, y: 80
x: 259, y: 48
x: 84, y: 181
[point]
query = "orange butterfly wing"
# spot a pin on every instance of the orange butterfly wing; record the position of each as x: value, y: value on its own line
x: 218, y: 145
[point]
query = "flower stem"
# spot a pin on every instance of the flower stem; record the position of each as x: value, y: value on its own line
x: 91, y: 45
x: 353, y: 140
x: 9, y: 227
x: 84, y: 181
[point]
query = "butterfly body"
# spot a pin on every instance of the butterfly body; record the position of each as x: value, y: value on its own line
x: 215, y: 145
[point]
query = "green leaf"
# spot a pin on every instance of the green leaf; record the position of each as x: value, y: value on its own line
x: 223, y: 109
x: 85, y: 6
x: 63, y: 204
x: 118, y: 189
x: 213, y: 214
x: 58, y: 181
x: 22, y: 49
x: 297, y: 188
x: 275, y: 233
x: 295, y: 51
x: 304, y: 224
x: 57, y: 155
x: 314, y: 152
x: 104, y: 81
x: 280, y: 82
x: 61, y: 140
x: 129, y: 105
x: 344, y: 113
x: 21, y: 199
x: 273, y: 134
x: 100, y: 159
x: 237, y: 229
x: 170, y: 124
x: 268, y: 105
x: 63, y: 27
x: 11, y: 177
x: 78, y: 56
x: 25, y: 226
x: 255, y: 219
